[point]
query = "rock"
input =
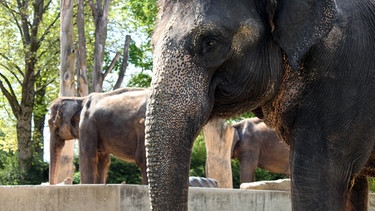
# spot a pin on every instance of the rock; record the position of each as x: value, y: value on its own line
x: 202, y: 182
x: 281, y: 184
x: 67, y: 181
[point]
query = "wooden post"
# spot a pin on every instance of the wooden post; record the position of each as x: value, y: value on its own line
x: 219, y: 138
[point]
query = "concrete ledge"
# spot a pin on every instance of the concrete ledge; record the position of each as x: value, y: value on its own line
x: 135, y: 198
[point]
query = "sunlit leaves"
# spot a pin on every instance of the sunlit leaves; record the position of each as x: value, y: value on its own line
x: 140, y: 80
x: 8, y: 138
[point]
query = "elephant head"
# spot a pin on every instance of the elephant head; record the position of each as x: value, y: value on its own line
x: 283, y: 59
x: 63, y: 124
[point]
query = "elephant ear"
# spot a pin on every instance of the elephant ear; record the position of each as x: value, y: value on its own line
x: 300, y: 24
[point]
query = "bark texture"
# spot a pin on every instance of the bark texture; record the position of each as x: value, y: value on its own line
x: 83, y: 86
x: 67, y: 83
x: 219, y: 139
x: 100, y: 13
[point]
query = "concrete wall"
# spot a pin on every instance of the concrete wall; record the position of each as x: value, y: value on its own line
x: 135, y: 198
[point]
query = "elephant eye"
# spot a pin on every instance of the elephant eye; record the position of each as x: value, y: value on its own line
x: 214, y: 50
x: 211, y: 43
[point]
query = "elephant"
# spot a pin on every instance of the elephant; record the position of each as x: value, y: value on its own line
x: 256, y: 145
x: 112, y: 125
x: 64, y: 124
x: 305, y: 67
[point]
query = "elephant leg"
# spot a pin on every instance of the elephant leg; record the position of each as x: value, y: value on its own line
x: 144, y: 174
x: 104, y: 162
x: 313, y: 186
x: 322, y: 171
x: 248, y: 165
x: 359, y: 194
x: 140, y: 161
x: 88, y: 158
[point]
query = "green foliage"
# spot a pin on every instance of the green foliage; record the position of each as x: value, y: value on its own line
x: 119, y: 171
x: 143, y: 13
x: 38, y: 172
x: 371, y: 184
x: 8, y: 137
x: 240, y: 117
x: 76, y: 178
x: 261, y: 174
x: 136, y: 18
x: 140, y: 80
x: 140, y: 55
x: 9, y: 171
x: 198, y: 158
x: 76, y: 175
x: 236, y: 173
x: 11, y: 175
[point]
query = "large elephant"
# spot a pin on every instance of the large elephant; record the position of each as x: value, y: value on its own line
x: 64, y: 124
x: 305, y: 67
x: 112, y: 125
x: 256, y: 145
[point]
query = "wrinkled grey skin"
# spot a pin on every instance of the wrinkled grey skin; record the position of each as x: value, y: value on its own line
x: 64, y: 124
x: 257, y: 145
x: 305, y: 67
x: 112, y: 125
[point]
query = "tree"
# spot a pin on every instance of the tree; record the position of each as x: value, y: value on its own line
x: 100, y: 13
x: 23, y: 77
x: 219, y: 141
x: 67, y: 79
x: 82, y: 80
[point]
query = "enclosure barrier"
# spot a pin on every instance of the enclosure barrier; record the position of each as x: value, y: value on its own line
x: 135, y: 198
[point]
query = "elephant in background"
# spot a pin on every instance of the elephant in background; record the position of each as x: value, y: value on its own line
x: 305, y: 67
x: 64, y: 124
x: 256, y: 145
x: 112, y: 125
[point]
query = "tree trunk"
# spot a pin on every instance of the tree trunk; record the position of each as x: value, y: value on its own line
x: 100, y: 14
x: 219, y: 138
x: 24, y: 143
x: 83, y: 86
x: 124, y: 64
x: 24, y: 116
x: 67, y: 85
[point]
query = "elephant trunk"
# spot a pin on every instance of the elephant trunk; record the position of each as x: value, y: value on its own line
x: 176, y: 112
x: 56, y: 146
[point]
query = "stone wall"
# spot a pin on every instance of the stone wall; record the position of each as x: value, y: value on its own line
x: 135, y: 198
